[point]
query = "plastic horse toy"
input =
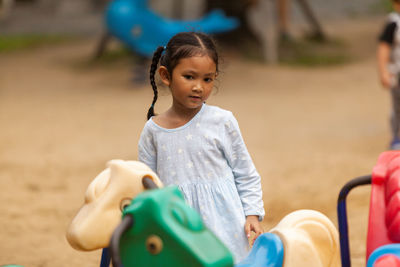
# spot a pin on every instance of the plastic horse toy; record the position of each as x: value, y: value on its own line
x: 142, y: 30
x: 105, y: 198
x: 383, y: 239
x: 159, y: 229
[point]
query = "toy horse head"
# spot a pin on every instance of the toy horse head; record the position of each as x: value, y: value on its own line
x: 309, y: 239
x: 105, y: 198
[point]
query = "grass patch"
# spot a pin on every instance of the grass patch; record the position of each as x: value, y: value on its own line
x: 313, y: 53
x: 307, y: 51
x: 12, y: 43
x: 110, y: 58
x: 383, y: 6
x: 113, y: 56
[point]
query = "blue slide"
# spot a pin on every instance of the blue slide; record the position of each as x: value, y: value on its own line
x: 142, y: 30
x: 267, y: 251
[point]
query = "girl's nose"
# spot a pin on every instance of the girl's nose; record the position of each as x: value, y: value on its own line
x: 197, y: 87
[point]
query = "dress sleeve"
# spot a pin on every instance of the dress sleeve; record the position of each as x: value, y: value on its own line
x: 247, y: 179
x: 146, y: 149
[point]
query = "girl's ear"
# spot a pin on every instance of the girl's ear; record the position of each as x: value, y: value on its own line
x: 164, y: 75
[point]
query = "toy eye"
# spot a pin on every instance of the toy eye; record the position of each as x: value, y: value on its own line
x: 154, y: 244
x: 125, y: 203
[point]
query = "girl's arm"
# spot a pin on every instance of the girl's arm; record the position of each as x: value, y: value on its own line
x: 147, y: 150
x: 386, y: 40
x: 247, y: 179
x: 383, y: 57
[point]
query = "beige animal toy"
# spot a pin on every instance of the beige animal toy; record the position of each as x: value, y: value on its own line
x: 309, y: 239
x: 105, y: 197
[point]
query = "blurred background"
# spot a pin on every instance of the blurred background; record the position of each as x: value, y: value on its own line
x: 299, y: 75
x: 263, y: 24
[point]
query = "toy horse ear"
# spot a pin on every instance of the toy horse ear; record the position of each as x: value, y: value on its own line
x: 139, y: 169
x: 164, y: 75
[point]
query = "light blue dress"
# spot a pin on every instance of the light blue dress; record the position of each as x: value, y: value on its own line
x: 208, y: 160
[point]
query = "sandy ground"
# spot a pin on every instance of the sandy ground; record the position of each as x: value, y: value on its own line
x: 309, y: 131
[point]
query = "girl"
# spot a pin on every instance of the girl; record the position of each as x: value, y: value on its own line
x: 199, y: 147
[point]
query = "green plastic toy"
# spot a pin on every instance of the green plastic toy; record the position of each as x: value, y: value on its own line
x: 165, y: 231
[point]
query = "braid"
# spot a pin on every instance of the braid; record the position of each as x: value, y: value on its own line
x: 153, y: 68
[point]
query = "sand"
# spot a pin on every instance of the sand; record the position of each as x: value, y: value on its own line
x: 309, y: 131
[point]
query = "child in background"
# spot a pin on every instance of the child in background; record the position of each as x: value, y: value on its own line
x: 199, y: 147
x: 388, y: 55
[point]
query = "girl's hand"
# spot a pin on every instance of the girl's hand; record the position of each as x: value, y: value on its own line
x: 252, y: 225
x: 387, y: 80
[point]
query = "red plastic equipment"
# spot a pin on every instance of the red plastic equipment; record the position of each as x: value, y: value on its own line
x: 384, y: 212
x: 387, y: 261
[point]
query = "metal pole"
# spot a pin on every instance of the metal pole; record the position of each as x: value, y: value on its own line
x: 105, y: 258
x: 261, y: 18
x: 342, y: 217
x: 319, y: 33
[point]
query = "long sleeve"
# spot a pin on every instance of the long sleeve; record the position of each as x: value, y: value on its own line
x: 146, y: 149
x: 247, y: 179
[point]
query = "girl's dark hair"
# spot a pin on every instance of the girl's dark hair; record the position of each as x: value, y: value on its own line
x: 182, y: 45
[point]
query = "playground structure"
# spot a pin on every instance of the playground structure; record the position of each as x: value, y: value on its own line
x: 383, y: 248
x: 159, y: 226
x: 142, y: 30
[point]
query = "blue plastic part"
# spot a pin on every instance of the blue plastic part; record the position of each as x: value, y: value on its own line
x: 142, y: 30
x: 267, y: 251
x: 393, y: 249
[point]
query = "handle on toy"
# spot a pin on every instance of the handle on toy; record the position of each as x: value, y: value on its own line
x: 148, y: 183
x: 125, y: 224
x: 342, y: 216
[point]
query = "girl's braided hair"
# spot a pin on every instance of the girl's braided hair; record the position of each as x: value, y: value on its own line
x: 182, y: 45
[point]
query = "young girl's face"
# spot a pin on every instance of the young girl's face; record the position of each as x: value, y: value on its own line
x: 192, y: 81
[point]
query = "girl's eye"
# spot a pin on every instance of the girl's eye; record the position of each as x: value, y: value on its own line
x: 189, y: 77
x: 208, y: 80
